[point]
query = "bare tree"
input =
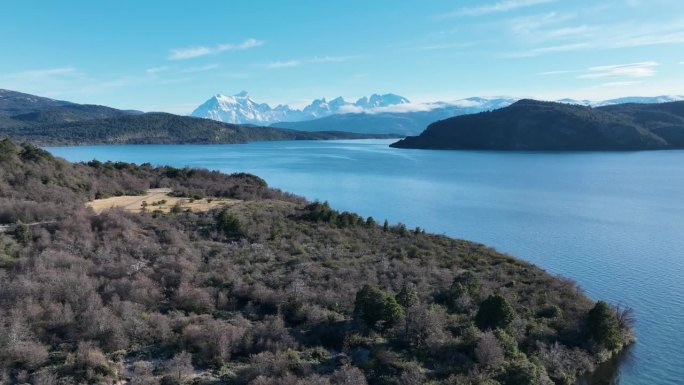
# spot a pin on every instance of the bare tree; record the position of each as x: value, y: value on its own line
x: 488, y: 350
x: 180, y: 366
x: 349, y: 375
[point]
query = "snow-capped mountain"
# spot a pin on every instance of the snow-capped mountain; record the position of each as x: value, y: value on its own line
x: 241, y: 109
x: 627, y: 99
x: 388, y: 113
x: 402, y: 118
x: 385, y: 100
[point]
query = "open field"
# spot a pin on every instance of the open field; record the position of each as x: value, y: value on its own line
x: 158, y: 199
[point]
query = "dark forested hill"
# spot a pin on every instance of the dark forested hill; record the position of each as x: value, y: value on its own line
x: 159, y: 128
x: 270, y: 290
x: 16, y: 103
x: 25, y: 109
x: 549, y: 126
x: 44, y: 121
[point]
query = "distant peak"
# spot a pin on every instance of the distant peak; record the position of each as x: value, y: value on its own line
x: 378, y: 100
x: 242, y: 94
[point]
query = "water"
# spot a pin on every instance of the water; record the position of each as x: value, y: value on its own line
x: 614, y: 222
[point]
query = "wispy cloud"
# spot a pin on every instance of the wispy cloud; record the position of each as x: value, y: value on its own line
x: 649, y: 39
x: 316, y: 59
x: 554, y: 32
x: 235, y: 75
x: 547, y: 49
x: 49, y: 82
x: 621, y: 74
x: 568, y: 31
x: 557, y: 72
x: 156, y: 70
x: 42, y: 73
x: 284, y: 64
x: 333, y: 59
x: 631, y: 70
x: 198, y: 51
x: 203, y: 68
x: 406, y: 107
x: 621, y: 84
x: 435, y: 47
x: 501, y: 6
x: 528, y: 27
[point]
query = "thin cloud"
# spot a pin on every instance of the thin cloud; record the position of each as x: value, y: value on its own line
x: 590, y: 37
x: 621, y: 84
x: 548, y: 49
x: 435, y: 47
x: 193, y: 52
x: 333, y: 59
x: 284, y: 64
x: 156, y: 70
x: 316, y: 59
x: 175, y: 80
x: 529, y: 26
x: 561, y: 48
x: 42, y: 73
x: 557, y: 72
x: 401, y: 108
x: 204, y: 68
x: 235, y: 75
x: 502, y: 6
x: 631, y: 70
x: 650, y: 39
x: 568, y: 31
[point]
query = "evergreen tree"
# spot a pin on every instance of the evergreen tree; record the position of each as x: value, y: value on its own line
x: 228, y: 224
x: 376, y: 307
x: 603, y: 326
x: 407, y: 297
x: 495, y: 312
x: 22, y: 233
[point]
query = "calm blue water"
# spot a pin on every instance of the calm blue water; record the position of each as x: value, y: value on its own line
x: 614, y: 222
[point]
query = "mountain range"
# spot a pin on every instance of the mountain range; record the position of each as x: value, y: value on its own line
x: 388, y: 113
x: 505, y: 124
x: 532, y: 125
x: 46, y: 121
x: 242, y: 109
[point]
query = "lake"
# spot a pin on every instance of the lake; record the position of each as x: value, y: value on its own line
x: 612, y: 221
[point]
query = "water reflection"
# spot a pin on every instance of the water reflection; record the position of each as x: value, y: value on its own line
x: 608, y: 373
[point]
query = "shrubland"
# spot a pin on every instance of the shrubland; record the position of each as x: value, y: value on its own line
x: 273, y: 290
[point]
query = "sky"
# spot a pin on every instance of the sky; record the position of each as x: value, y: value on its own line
x: 173, y: 55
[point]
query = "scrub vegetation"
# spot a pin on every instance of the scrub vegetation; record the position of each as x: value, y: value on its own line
x: 270, y: 290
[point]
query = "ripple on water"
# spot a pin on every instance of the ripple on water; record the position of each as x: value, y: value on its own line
x: 611, y: 221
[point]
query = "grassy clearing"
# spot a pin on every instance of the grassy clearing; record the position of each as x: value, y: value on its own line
x: 158, y: 199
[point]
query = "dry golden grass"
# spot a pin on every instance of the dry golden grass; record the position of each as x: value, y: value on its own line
x: 158, y: 199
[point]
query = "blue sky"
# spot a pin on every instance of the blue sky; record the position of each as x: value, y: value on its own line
x: 173, y: 55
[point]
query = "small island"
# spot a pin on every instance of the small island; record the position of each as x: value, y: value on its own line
x: 531, y: 125
x: 263, y: 288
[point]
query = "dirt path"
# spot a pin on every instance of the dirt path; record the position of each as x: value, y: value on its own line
x: 6, y: 228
